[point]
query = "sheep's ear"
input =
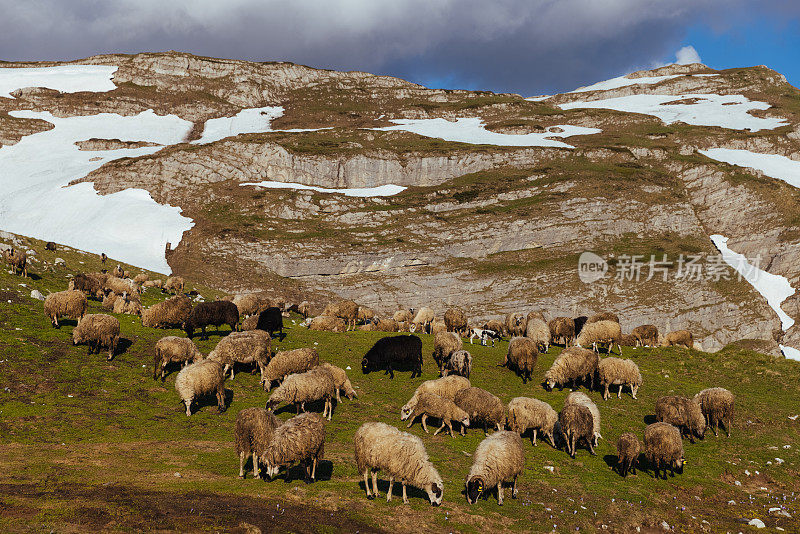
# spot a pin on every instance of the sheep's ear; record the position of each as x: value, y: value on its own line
x: 437, y: 490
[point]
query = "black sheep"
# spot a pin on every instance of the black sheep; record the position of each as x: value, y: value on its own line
x: 50, y: 245
x: 394, y: 351
x: 214, y: 313
x: 271, y: 320
x: 579, y: 322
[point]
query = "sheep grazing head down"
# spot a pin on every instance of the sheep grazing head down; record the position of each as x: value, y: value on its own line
x: 435, y: 493
x: 679, y: 464
x: 475, y: 487
x: 549, y: 384
x: 271, y: 470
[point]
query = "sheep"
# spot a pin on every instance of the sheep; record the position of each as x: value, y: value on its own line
x: 365, y: 315
x: 484, y: 334
x: 516, y: 324
x: 249, y: 324
x: 288, y: 362
x: 271, y: 320
x: 683, y: 413
x: 97, y: 330
x: 124, y: 304
x: 386, y: 325
x: 430, y: 405
x: 562, y: 329
x: 401, y: 455
x: 328, y: 323
x: 526, y: 414
x: 455, y: 321
x: 576, y: 424
x: 582, y: 399
x: 153, y: 283
x: 682, y: 338
x: 69, y: 303
x: 537, y: 331
x: 367, y: 327
x: 199, y: 379
x: 18, y: 259
x: 646, y: 335
x: 389, y: 352
x: 170, y: 313
x: 482, y: 407
x: 498, y: 459
x: 521, y: 357
x: 603, y: 316
x: 253, y: 347
x: 300, y: 388
x: 347, y: 310
x: 600, y: 333
x: 459, y: 363
x: 423, y: 319
x: 446, y: 387
x: 252, y: 433
x: 628, y: 449
x: 579, y: 324
x: 571, y: 366
x: 403, y: 316
x: 304, y: 309
x: 717, y: 406
x: 140, y: 279
x: 90, y: 283
x: 445, y: 344
x: 174, y: 349
x: 437, y: 326
x: 214, y: 313
x: 300, y: 439
x: 628, y: 340
x: 340, y: 381
x: 120, y: 286
x: 251, y: 303
x: 663, y: 448
x: 50, y: 245
x: 103, y: 258
x: 118, y: 272
x: 616, y: 371
x: 173, y: 284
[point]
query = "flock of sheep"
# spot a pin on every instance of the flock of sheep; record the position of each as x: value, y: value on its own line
x: 302, y: 378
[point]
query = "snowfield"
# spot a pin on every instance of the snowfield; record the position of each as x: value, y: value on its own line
x: 624, y: 81
x: 252, y: 120
x: 473, y: 130
x: 380, y: 191
x: 779, y: 167
x: 65, y: 78
x: 725, y: 111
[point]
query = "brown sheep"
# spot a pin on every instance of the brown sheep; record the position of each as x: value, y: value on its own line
x: 683, y: 413
x: 577, y: 424
x: 562, y: 330
x: 174, y: 349
x: 170, y: 313
x: 482, y: 407
x: 365, y: 314
x: 69, y: 303
x: 681, y: 338
x: 328, y: 323
x: 445, y: 344
x: 304, y: 309
x: 717, y: 405
x: 97, y: 330
x: 403, y: 316
x: 252, y: 434
x: 18, y: 259
x: 455, y: 321
x: 521, y: 357
x: 663, y: 448
x: 603, y: 316
x: 174, y: 284
x: 347, y: 310
x: 387, y: 325
x: 516, y: 324
x: 646, y: 335
x: 628, y: 449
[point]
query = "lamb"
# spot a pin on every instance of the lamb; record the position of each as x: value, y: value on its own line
x: 172, y: 312
x: 562, y: 329
x: 537, y: 331
x: 253, y: 347
x: 681, y: 338
x: 531, y: 414
x: 389, y: 352
x: 571, y: 366
x: 446, y: 387
x: 328, y: 323
x: 251, y: 303
x: 435, y: 406
x: 173, y: 284
x: 582, y: 399
x: 459, y: 363
x: 482, y: 408
x: 498, y: 459
x: 288, y: 362
x: 347, y: 310
x: 663, y: 448
x: 423, y: 319
x: 214, y: 313
x: 445, y: 344
x: 271, y: 320
x: 199, y: 379
x: 516, y: 324
x: 628, y: 449
x: 340, y: 381
x: 403, y: 316
x: 683, y: 413
x: 69, y: 303
x: 717, y: 405
x: 300, y: 388
x: 401, y: 455
x: 97, y: 330
x: 18, y: 259
x: 600, y: 333
x: 304, y: 309
x: 521, y: 357
x: 646, y: 335
x: 484, y: 334
x: 253, y: 432
x: 603, y: 316
x: 616, y: 371
x: 455, y: 321
x: 365, y: 315
x: 300, y: 439
x: 90, y: 283
x: 174, y: 349
x: 576, y: 424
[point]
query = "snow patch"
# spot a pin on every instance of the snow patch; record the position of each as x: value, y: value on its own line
x: 64, y: 78
x: 380, y: 191
x: 772, y: 165
x: 790, y: 352
x: 538, y: 98
x: 624, y: 81
x: 251, y: 120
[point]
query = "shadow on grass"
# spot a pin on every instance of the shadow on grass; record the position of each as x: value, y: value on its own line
x: 209, y: 400
x: 650, y: 419
x: 397, y: 491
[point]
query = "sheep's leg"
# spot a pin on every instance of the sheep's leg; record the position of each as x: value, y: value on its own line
x: 242, y: 460
x: 424, y: 419
x: 366, y: 484
x: 619, y: 392
x: 329, y: 402
x: 605, y: 393
x: 440, y: 428
x: 221, y: 399
x: 314, y: 469
x: 338, y: 398
x: 714, y: 428
x: 405, y: 498
x: 188, y: 403
x: 389, y: 491
x: 634, y: 390
x: 255, y: 465
x: 534, y: 437
x: 500, y: 493
x: 591, y: 448
x: 375, y: 484
x: 514, y: 489
x: 411, y: 419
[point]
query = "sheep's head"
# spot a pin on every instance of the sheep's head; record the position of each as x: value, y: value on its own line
x: 365, y: 366
x: 272, y: 403
x: 435, y: 491
x: 406, y: 410
x: 475, y: 487
x: 465, y: 421
x: 549, y: 384
x: 678, y: 464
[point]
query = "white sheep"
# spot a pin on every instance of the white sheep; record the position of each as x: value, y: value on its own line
x: 525, y: 414
x: 300, y: 388
x: 440, y: 408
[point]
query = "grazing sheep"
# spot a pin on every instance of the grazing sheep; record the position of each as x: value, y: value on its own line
x: 495, y: 326
x: 152, y: 283
x: 300, y: 388
x: 455, y: 321
x: 140, y: 279
x: 386, y: 325
x: 97, y: 330
x: 253, y: 347
x: 288, y: 362
x: 346, y: 310
x: 582, y: 399
x: 214, y: 313
x: 521, y: 357
x: 600, y: 333
x: 174, y: 349
x: 403, y: 316
x: 170, y: 313
x: 199, y: 379
x: 646, y: 335
x: 380, y: 447
x: 70, y: 303
x: 368, y: 327
x: 430, y: 405
x: 616, y: 371
x: 459, y: 363
x: 328, y: 323
x: 498, y: 460
x: 365, y: 315
x: 681, y: 338
x: 252, y: 434
x: 562, y: 330
x: 50, y: 245
x: 423, y: 319
x: 173, y: 284
x: 300, y: 439
x: 683, y: 413
x: 340, y: 381
x: 446, y: 387
x: 576, y: 424
x: 90, y: 283
x: 717, y: 405
x: 482, y: 407
x: 390, y: 352
x: 120, y: 286
x: 537, y: 331
x: 271, y: 321
x: 304, y: 309
x: 251, y: 303
x: 17, y: 259
x: 249, y: 324
x: 603, y: 316
x: 124, y: 304
x: 663, y: 448
x: 628, y: 449
x: 628, y: 340
x: 437, y: 326
x: 445, y: 344
x: 571, y: 366
x: 580, y: 322
x: 531, y: 414
x: 516, y: 324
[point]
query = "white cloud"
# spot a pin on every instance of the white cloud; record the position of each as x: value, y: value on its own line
x: 687, y: 55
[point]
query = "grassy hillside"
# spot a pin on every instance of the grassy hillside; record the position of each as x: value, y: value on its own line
x: 88, y: 444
